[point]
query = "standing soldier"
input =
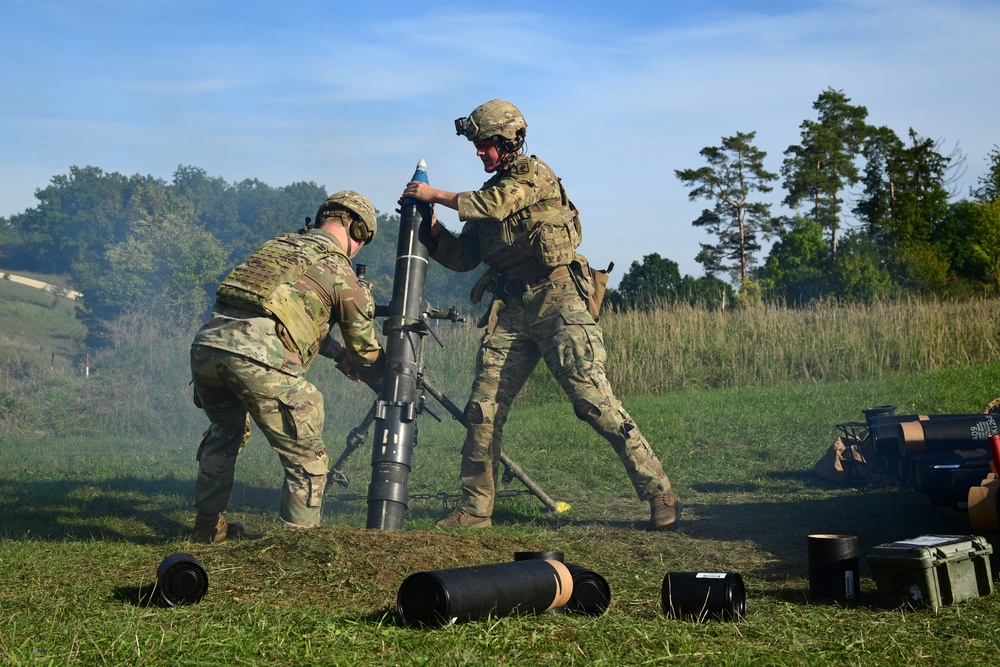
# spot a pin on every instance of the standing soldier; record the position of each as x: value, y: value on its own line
x: 526, y: 230
x: 272, y: 316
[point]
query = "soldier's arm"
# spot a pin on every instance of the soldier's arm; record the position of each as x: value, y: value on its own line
x: 429, y: 194
x: 458, y: 253
x: 510, y: 194
x: 354, y: 312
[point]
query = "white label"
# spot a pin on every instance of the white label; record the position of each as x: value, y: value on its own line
x: 710, y: 575
x: 849, y: 584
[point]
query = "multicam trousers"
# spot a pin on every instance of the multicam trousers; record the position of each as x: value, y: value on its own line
x: 550, y: 322
x: 288, y: 410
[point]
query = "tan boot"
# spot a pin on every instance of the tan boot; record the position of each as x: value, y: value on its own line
x: 462, y: 519
x: 665, y: 511
x: 213, y: 528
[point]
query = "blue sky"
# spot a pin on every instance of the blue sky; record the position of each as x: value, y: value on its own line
x: 351, y: 95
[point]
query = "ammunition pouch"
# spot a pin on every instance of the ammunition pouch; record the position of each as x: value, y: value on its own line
x: 491, y: 316
x: 591, y: 283
x: 554, y: 241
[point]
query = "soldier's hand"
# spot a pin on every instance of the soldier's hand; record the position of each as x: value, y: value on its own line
x: 420, y: 191
x: 435, y: 225
x: 345, y: 366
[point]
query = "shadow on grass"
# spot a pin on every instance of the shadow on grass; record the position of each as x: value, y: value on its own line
x: 128, y: 509
x: 137, y: 596
x: 780, y: 528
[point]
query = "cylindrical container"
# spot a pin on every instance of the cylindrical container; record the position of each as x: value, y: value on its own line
x: 936, y: 435
x: 833, y: 566
x: 536, y: 555
x: 884, y: 430
x: 878, y: 411
x: 704, y: 595
x: 180, y: 580
x: 442, y: 597
x: 948, y: 484
x: 984, y: 506
x: 591, y: 592
x: 920, y: 467
x: 543, y: 555
x: 884, y: 433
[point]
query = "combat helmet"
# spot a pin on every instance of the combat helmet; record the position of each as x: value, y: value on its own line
x: 498, y: 120
x: 364, y: 226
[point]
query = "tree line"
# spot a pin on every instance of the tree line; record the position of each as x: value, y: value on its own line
x: 147, y: 247
x: 142, y: 245
x: 913, y: 234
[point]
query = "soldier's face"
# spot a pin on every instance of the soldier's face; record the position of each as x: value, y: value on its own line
x: 489, y: 153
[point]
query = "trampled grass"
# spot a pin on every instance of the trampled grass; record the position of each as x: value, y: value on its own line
x: 86, y: 521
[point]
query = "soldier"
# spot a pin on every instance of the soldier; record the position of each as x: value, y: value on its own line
x: 526, y: 230
x: 272, y: 316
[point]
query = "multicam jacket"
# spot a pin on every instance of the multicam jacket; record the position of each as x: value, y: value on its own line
x: 277, y: 307
x: 520, y: 223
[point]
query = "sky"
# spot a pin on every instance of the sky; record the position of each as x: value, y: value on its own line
x: 350, y: 95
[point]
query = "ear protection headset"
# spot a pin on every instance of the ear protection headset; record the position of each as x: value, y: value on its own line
x: 358, y: 230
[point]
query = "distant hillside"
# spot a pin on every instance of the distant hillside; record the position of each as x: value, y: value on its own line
x: 37, y: 327
x: 43, y: 285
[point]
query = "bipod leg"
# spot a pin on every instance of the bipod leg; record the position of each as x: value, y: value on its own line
x: 355, y: 439
x: 512, y: 467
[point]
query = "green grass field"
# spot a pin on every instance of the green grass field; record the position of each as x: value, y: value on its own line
x: 97, y: 477
x: 86, y: 521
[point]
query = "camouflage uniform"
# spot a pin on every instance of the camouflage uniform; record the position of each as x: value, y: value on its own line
x: 522, y: 225
x: 246, y: 363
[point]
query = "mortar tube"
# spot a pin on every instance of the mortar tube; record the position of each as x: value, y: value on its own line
x: 395, y: 413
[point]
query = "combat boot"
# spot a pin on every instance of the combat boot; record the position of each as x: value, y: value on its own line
x: 462, y: 519
x: 665, y: 511
x: 213, y: 528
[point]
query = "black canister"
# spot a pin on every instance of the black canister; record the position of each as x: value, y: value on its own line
x: 591, y: 592
x: 443, y: 597
x: 833, y: 566
x: 539, y: 555
x: 878, y: 411
x: 180, y: 580
x: 701, y: 596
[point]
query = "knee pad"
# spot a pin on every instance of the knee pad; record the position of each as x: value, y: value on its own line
x: 586, y: 410
x: 480, y: 412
